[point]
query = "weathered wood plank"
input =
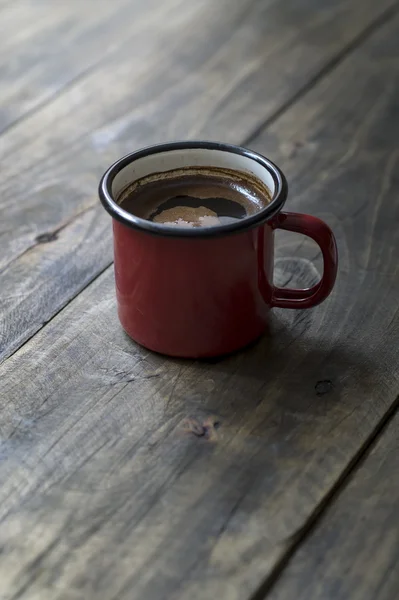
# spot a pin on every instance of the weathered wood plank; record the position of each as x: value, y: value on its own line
x: 33, y: 287
x: 354, y: 552
x: 211, y: 73
x: 45, y: 45
x: 126, y: 473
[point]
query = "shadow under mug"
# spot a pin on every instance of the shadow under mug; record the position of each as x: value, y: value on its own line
x: 203, y: 292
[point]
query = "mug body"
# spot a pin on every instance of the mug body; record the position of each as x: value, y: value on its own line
x: 194, y: 297
x: 197, y: 292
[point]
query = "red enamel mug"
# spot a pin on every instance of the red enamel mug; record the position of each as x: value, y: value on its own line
x: 203, y: 292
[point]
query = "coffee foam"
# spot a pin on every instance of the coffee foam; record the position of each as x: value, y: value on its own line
x: 187, y: 216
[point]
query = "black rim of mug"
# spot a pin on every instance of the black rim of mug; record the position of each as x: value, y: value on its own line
x: 118, y: 213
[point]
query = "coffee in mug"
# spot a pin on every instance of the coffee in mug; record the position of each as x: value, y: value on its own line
x: 195, y: 197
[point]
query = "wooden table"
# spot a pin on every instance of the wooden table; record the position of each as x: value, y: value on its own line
x: 270, y: 474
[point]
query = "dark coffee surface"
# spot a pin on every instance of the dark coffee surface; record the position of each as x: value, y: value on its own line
x: 195, y: 198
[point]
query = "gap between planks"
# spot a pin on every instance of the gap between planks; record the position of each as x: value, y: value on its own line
x: 336, y: 60
x: 325, y: 504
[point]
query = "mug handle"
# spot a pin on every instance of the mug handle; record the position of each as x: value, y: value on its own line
x: 320, y: 232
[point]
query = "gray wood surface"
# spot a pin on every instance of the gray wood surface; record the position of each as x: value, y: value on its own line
x: 206, y: 69
x: 354, y: 553
x: 129, y: 475
x: 46, y: 46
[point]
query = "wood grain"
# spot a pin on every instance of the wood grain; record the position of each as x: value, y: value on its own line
x: 354, y: 552
x: 127, y: 474
x: 33, y: 288
x: 212, y: 71
x: 46, y: 46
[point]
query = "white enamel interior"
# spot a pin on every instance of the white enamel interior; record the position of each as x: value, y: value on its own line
x: 191, y: 157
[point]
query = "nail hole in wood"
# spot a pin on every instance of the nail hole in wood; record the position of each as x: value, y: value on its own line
x: 325, y: 386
